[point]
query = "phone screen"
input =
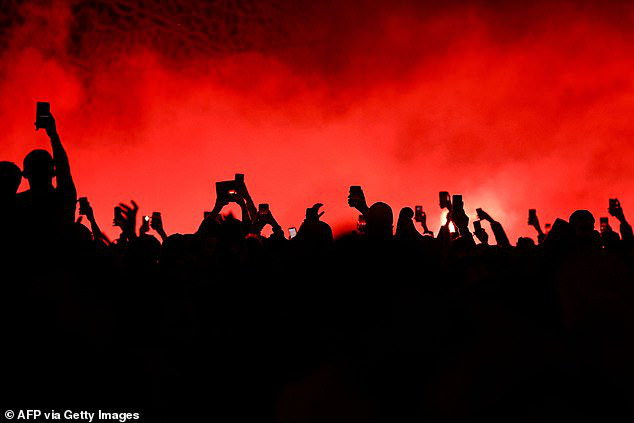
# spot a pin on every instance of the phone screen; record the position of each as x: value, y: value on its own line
x: 292, y: 232
x: 42, y: 110
x: 263, y: 208
x: 418, y: 215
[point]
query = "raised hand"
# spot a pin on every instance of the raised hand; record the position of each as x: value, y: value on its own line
x: 145, y: 225
x: 85, y: 209
x: 356, y: 199
x: 616, y: 210
x: 460, y: 218
x: 313, y: 214
x: 157, y: 224
x: 127, y: 220
x: 481, y: 234
x: 482, y: 215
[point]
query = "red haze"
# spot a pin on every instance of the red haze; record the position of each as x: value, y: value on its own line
x: 514, y: 107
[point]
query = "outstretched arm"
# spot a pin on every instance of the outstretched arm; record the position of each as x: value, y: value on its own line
x: 97, y: 235
x: 533, y: 221
x: 65, y: 182
x: 498, y: 231
x: 625, y: 228
x: 157, y: 225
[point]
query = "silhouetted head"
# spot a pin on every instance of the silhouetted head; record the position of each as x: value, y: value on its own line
x: 405, y: 229
x: 10, y: 178
x: 525, y: 243
x: 379, y: 221
x: 39, y: 168
x: 582, y: 223
x: 314, y: 231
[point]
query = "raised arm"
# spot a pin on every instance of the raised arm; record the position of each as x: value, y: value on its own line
x: 625, y: 228
x: 498, y: 231
x: 65, y: 182
x: 86, y: 210
x: 533, y: 221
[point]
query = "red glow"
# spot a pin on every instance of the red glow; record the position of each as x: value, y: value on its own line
x: 513, y: 110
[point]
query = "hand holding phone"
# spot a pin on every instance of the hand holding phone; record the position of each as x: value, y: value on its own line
x: 482, y: 215
x: 156, y: 221
x: 355, y: 197
x: 361, y: 223
x: 444, y: 200
x: 145, y: 225
x: 604, y: 224
x: 419, y: 214
x: 532, y: 217
x: 84, y: 206
x: 42, y: 114
x: 457, y: 203
x: 226, y: 190
x: 615, y: 209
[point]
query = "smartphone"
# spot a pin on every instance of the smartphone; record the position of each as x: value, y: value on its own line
x: 239, y: 178
x: 156, y: 215
x: 418, y: 214
x: 226, y: 188
x: 477, y: 225
x: 443, y: 197
x: 614, y: 203
x: 292, y: 233
x: 604, y: 224
x: 361, y: 223
x: 83, y: 205
x: 42, y: 111
x: 457, y: 202
x: 263, y: 208
x: 356, y: 193
x: 532, y: 216
x: 146, y: 218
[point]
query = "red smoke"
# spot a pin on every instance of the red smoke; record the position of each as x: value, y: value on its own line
x: 514, y: 107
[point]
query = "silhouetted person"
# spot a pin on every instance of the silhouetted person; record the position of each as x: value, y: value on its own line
x: 379, y: 220
x: 10, y: 178
x: 44, y: 208
x: 313, y: 229
x: 405, y: 228
x: 582, y: 224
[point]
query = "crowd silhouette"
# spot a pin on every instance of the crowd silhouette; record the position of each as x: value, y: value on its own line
x: 381, y: 324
